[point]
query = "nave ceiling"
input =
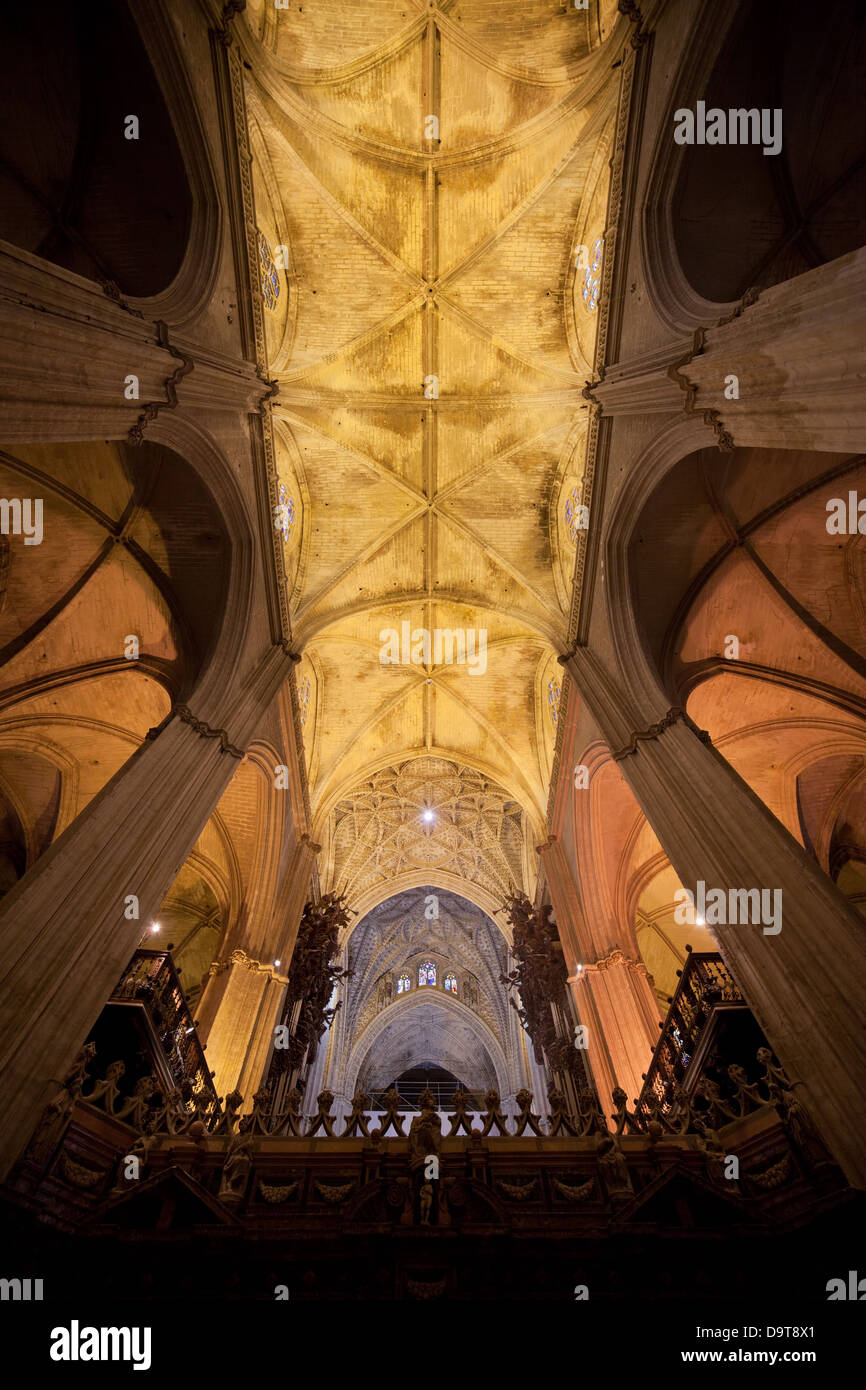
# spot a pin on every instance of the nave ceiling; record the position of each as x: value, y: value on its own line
x: 430, y: 361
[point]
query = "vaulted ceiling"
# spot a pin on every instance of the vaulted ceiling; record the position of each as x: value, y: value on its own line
x: 427, y: 173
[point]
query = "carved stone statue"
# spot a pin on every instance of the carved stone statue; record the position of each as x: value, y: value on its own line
x: 425, y: 1131
x: 426, y: 1202
x: 613, y: 1167
x: 237, y: 1168
x: 58, y: 1111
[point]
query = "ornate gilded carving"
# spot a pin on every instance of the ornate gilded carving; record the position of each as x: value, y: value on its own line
x: 311, y: 982
x: 276, y: 1194
x: 58, y: 1112
x: 236, y: 1169
x: 540, y: 975
x: 573, y: 1194
x: 518, y: 1192
x: 334, y: 1195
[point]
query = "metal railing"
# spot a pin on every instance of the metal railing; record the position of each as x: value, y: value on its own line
x: 410, y: 1093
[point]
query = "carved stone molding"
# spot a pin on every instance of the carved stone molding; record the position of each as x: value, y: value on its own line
x: 152, y: 408
x: 751, y: 296
x: 611, y: 236
x: 615, y: 957
x: 632, y: 12
x: 205, y: 731
x: 712, y: 418
x: 240, y: 957
x: 674, y: 714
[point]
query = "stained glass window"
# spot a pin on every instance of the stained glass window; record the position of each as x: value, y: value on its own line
x: 573, y: 513
x: 284, y: 512
x: 554, y: 693
x: 268, y: 274
x: 404, y: 984
x: 427, y: 973
x: 304, y: 700
x: 592, y: 277
x: 451, y: 983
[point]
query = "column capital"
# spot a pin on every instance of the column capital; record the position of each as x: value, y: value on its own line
x: 614, y: 957
x: 240, y: 957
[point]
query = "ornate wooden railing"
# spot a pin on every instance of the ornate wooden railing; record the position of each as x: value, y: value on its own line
x: 705, y: 984
x: 151, y: 980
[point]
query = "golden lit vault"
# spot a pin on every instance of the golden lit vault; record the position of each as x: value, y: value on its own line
x: 428, y: 175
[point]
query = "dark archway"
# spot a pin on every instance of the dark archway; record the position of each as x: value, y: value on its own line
x: 742, y: 218
x: 73, y: 188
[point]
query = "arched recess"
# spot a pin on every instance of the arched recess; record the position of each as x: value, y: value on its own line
x: 626, y: 882
x: 132, y: 546
x: 418, y: 878
x: 36, y: 780
x: 80, y: 184
x: 743, y: 217
x: 662, y: 939
x: 719, y: 219
x: 753, y: 622
x: 139, y: 578
x: 232, y: 631
x: 421, y: 1030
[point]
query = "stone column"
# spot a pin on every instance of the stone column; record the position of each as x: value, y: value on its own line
x: 612, y: 992
x: 70, y: 926
x: 243, y: 997
x: 240, y: 1008
x: 293, y: 897
x: 68, y: 351
x: 805, y: 984
x: 785, y: 371
x: 799, y: 358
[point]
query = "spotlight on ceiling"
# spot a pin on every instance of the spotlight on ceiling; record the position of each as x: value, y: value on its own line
x: 276, y: 965
x: 429, y: 815
x: 154, y: 926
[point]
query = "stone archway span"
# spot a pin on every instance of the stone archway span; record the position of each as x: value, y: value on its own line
x: 448, y: 1021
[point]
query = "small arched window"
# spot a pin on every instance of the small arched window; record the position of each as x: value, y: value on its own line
x: 404, y: 984
x: 574, y: 515
x: 284, y: 512
x: 592, y: 277
x: 268, y: 276
x: 304, y: 701
x: 554, y: 694
x: 451, y: 983
x: 427, y: 973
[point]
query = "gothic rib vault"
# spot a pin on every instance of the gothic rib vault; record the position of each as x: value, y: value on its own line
x: 429, y: 423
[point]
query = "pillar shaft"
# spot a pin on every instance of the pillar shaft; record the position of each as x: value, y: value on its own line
x: 65, y: 937
x: 612, y: 993
x: 806, y: 984
x: 241, y: 1003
